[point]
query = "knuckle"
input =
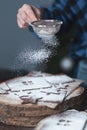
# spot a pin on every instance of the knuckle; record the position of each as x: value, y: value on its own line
x: 25, y: 6
x: 21, y: 25
x: 28, y: 7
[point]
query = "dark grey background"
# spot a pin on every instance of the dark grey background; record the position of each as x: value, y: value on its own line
x: 14, y: 40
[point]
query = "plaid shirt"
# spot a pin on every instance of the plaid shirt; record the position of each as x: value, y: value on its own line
x: 72, y: 12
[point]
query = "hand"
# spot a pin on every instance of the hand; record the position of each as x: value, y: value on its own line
x: 27, y: 14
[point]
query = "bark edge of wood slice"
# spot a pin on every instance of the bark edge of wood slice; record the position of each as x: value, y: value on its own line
x: 29, y: 115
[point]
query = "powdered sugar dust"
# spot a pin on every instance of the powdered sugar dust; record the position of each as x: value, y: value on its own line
x: 41, y: 55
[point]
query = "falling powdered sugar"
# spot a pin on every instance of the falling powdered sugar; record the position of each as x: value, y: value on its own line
x: 47, y: 50
x: 35, y: 56
x: 39, y: 55
x: 50, y: 40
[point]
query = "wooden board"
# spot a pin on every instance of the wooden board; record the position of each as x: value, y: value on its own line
x: 13, y: 112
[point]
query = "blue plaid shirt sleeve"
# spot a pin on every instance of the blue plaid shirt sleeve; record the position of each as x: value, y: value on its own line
x: 72, y: 12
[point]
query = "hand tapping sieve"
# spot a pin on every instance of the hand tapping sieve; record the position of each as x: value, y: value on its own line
x: 46, y: 28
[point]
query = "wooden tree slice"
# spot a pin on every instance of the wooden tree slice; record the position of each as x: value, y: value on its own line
x: 13, y: 112
x: 29, y: 114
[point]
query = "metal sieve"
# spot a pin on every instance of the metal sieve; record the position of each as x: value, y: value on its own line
x: 46, y: 28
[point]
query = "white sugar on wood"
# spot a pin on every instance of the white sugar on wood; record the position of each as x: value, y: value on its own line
x: 38, y: 88
x: 69, y: 120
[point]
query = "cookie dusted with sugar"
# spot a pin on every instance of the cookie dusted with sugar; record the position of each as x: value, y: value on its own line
x: 69, y: 120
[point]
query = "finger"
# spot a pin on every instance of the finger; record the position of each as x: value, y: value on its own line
x: 22, y: 15
x: 30, y: 13
x: 37, y: 11
x: 25, y: 18
x: 26, y: 14
x: 21, y: 22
